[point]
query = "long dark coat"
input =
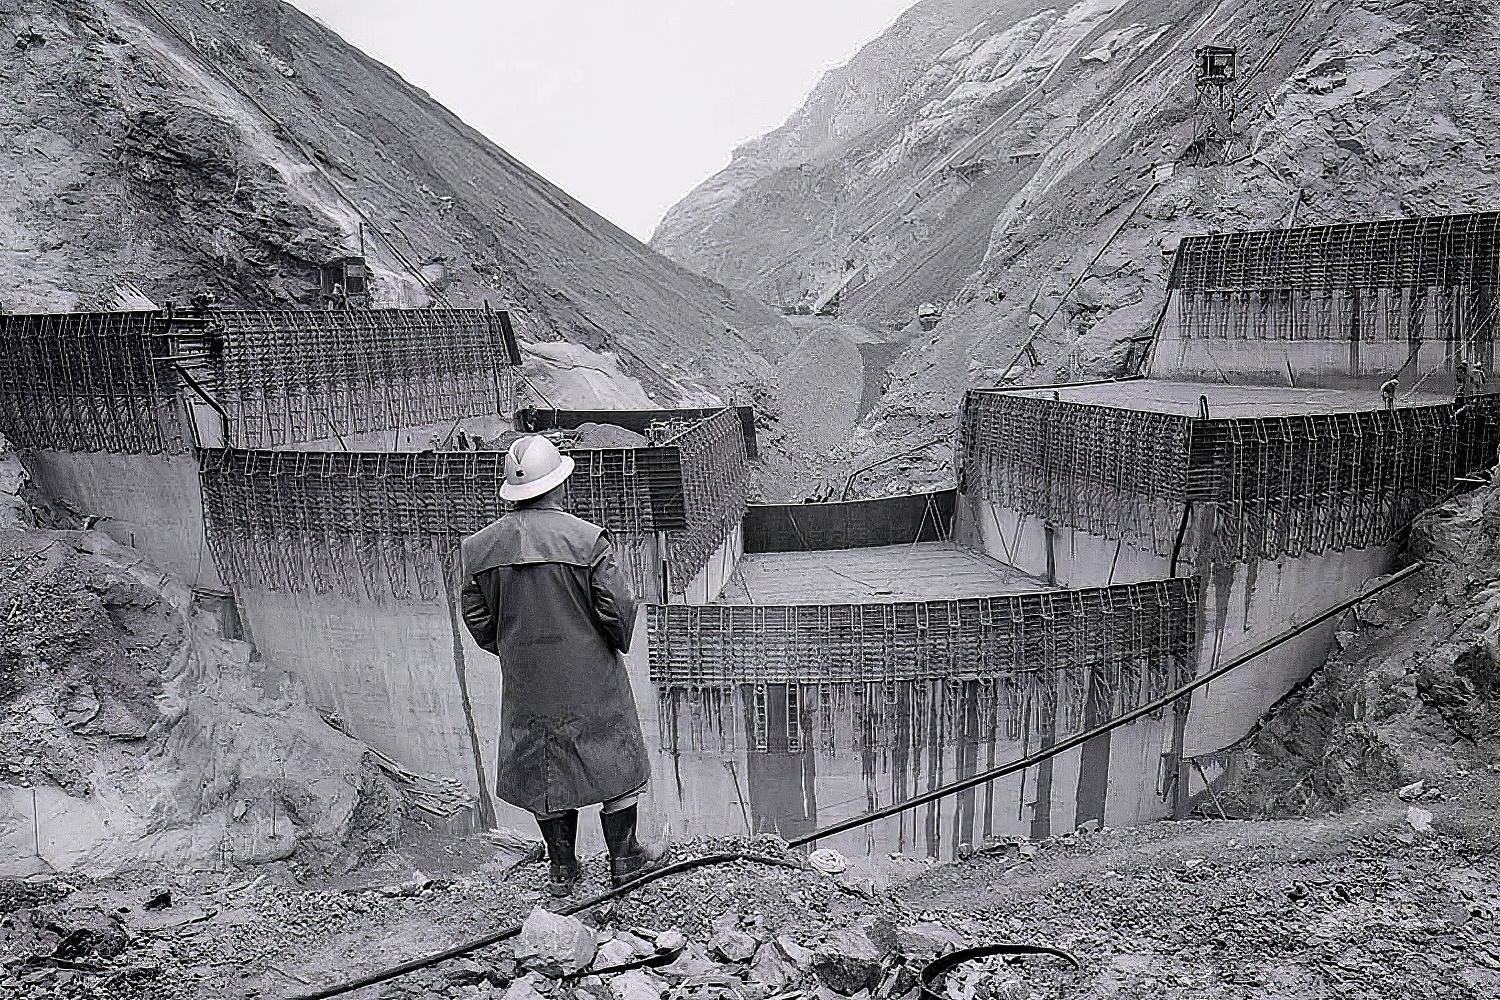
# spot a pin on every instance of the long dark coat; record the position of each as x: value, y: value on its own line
x: 543, y: 591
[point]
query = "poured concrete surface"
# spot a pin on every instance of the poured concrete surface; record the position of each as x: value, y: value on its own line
x: 1240, y: 605
x: 1230, y: 400
x: 884, y: 574
x: 150, y: 502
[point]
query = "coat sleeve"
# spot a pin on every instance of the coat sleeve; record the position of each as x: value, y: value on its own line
x: 614, y: 604
x: 478, y: 616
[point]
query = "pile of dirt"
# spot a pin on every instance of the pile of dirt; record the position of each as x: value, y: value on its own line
x: 592, y: 435
x: 131, y: 729
x: 1410, y: 694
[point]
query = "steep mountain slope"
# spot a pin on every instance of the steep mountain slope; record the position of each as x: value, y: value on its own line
x: 1016, y: 182
x: 237, y: 144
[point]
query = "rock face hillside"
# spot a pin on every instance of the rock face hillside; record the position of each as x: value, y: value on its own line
x: 235, y: 145
x: 1020, y: 160
x: 133, y: 732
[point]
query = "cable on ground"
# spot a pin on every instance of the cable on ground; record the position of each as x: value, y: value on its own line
x: 864, y: 819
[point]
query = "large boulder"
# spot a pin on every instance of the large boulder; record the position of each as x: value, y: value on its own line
x: 927, y: 939
x: 848, y: 962
x: 553, y: 944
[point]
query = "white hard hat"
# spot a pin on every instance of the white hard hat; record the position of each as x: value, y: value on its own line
x: 533, y: 466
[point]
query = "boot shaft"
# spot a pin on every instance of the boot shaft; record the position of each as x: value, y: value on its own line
x: 560, y: 835
x: 619, y: 833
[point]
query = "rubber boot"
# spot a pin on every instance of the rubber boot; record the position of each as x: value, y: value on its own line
x: 628, y: 857
x: 560, y: 835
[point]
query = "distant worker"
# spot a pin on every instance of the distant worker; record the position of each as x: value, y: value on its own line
x: 1470, y: 377
x: 1388, y: 393
x: 542, y: 590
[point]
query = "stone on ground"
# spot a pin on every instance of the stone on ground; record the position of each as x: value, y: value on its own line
x: 796, y: 954
x: 637, y: 984
x: 771, y: 967
x: 927, y: 939
x: 613, y: 952
x: 524, y: 989
x: 733, y: 945
x: 553, y: 944
x: 847, y: 962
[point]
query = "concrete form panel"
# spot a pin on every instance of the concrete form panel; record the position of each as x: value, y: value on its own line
x: 151, y: 502
x: 1246, y: 604
x: 898, y: 520
x: 1078, y: 559
x: 1338, y: 364
x: 716, y: 572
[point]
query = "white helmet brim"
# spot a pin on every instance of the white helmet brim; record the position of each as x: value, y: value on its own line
x: 535, y: 488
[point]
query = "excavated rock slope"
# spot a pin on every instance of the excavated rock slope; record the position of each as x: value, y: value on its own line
x: 1346, y: 111
x: 234, y: 145
x: 132, y: 732
x: 1410, y: 695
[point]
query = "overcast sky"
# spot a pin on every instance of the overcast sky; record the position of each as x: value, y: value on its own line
x: 627, y: 104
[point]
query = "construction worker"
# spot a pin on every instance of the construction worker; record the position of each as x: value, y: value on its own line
x: 1388, y: 393
x: 543, y: 592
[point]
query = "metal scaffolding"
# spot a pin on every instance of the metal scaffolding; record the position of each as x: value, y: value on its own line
x: 1313, y: 482
x: 295, y: 376
x: 370, y: 524
x: 1109, y: 471
x: 91, y: 382
x: 715, y: 485
x: 1400, y: 279
x: 1319, y: 482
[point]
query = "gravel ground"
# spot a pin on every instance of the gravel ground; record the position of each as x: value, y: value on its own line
x: 1356, y: 905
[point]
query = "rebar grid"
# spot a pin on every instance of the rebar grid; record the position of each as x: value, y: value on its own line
x: 715, y: 482
x: 370, y: 524
x: 1406, y: 279
x: 1018, y: 654
x: 295, y: 376
x: 1312, y: 482
x: 1320, y: 482
x: 1432, y: 252
x: 90, y: 382
x: 1477, y: 434
x: 1105, y: 470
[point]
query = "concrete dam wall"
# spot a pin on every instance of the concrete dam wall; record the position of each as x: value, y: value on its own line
x: 1336, y: 305
x: 1278, y: 507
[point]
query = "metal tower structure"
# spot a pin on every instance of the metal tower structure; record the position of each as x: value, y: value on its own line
x: 1214, y: 106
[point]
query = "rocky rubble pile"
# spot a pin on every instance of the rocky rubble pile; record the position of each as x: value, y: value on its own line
x: 131, y: 729
x: 741, y: 957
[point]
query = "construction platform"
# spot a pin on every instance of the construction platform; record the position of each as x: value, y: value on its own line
x: 927, y: 571
x: 1183, y: 398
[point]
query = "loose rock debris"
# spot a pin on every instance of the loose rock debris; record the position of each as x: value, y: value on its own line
x: 1339, y: 906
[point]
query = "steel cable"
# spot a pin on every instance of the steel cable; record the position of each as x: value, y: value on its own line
x: 864, y: 819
